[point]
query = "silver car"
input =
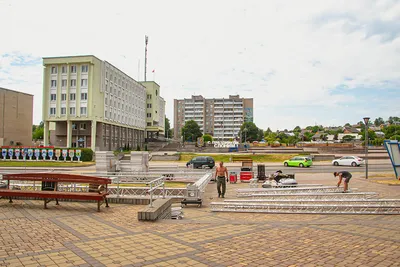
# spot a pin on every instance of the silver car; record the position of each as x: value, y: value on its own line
x: 348, y: 161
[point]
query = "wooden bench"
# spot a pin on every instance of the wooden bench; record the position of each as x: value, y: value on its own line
x: 97, y: 187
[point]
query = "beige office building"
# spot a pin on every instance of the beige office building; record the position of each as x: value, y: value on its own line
x: 16, y: 111
x: 88, y: 102
x: 155, y: 111
x: 219, y: 117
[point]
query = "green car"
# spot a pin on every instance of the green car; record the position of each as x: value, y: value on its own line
x: 298, y: 162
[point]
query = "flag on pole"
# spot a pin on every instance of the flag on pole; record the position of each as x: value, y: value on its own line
x: 154, y: 71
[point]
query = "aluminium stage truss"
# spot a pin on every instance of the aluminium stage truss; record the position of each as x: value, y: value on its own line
x: 247, y: 192
x: 313, y: 196
x: 307, y: 208
x: 263, y: 202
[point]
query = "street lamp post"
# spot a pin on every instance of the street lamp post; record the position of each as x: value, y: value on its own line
x: 366, y: 120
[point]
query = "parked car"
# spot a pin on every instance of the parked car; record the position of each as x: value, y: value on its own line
x: 298, y: 162
x: 201, y: 162
x: 348, y: 161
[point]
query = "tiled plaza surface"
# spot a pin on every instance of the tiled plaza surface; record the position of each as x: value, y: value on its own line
x: 74, y: 234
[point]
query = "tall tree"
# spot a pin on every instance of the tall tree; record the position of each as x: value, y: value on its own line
x: 378, y: 121
x: 167, y: 128
x: 249, y: 131
x: 297, y: 129
x: 37, y: 131
x: 191, y: 131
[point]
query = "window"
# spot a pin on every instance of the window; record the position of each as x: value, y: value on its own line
x: 53, y: 83
x: 148, y: 115
x: 149, y: 124
x: 52, y: 111
x: 53, y: 70
x: 82, y: 126
x: 73, y: 69
x: 83, y: 110
x: 63, y: 111
x: 148, y: 105
x: 73, y: 126
x: 53, y: 97
x: 64, y: 69
x: 148, y: 96
x: 64, y: 83
x: 83, y: 96
x: 72, y: 111
x: 72, y: 96
x: 73, y: 82
x: 84, y: 68
x: 84, y: 82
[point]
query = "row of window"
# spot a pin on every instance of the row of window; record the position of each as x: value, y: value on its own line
x: 71, y: 111
x: 72, y: 97
x: 54, y: 69
x: 53, y: 83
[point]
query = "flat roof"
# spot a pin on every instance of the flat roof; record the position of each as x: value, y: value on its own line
x: 2, y: 88
x: 73, y: 56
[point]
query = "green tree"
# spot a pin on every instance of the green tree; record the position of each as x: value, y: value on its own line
x: 371, y: 134
x: 378, y: 121
x: 167, y: 128
x: 391, y: 130
x: 393, y: 119
x: 260, y: 135
x: 347, y: 125
x: 315, y: 129
x: 249, y: 131
x: 207, y: 138
x: 348, y: 138
x: 395, y: 137
x: 38, y: 131
x: 271, y: 137
x: 191, y: 131
x: 297, y: 129
x: 308, y: 136
x: 267, y: 132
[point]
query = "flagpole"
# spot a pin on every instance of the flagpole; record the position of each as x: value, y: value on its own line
x: 154, y: 75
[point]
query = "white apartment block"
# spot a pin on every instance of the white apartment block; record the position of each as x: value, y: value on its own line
x: 219, y: 117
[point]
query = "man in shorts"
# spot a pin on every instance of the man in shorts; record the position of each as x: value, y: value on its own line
x: 221, y: 173
x: 343, y: 175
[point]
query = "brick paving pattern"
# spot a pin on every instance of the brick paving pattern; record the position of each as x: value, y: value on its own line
x: 74, y: 234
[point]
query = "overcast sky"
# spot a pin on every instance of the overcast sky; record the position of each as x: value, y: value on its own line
x: 304, y: 62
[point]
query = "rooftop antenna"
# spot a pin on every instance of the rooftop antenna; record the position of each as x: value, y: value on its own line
x: 146, y: 41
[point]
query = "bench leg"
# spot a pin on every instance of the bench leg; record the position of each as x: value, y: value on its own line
x: 45, y: 203
x: 57, y: 201
x: 105, y: 199
x: 10, y: 200
x: 98, y: 205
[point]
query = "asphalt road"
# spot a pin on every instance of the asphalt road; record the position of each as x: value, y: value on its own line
x: 381, y: 167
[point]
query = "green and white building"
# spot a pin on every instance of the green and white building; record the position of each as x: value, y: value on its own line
x: 88, y: 102
x: 155, y: 111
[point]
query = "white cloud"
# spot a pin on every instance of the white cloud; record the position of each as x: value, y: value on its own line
x: 283, y: 54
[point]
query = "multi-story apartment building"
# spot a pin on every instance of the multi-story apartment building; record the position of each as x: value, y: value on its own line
x: 219, y: 117
x: 155, y: 110
x: 16, y: 111
x: 88, y: 102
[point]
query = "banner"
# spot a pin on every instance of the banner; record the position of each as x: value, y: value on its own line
x: 4, y: 153
x: 78, y: 154
x: 17, y: 153
x: 71, y: 154
x: 10, y: 153
x: 44, y: 154
x: 30, y: 153
x: 50, y: 153
x: 37, y: 153
x: 64, y: 154
x: 24, y: 153
x: 58, y: 154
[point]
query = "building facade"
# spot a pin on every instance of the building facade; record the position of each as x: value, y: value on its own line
x: 16, y: 112
x: 219, y: 117
x: 155, y: 110
x: 88, y: 102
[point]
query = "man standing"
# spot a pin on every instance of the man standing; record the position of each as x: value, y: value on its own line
x: 346, y: 175
x: 221, y: 175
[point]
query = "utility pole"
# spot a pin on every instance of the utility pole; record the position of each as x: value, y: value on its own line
x: 146, y: 41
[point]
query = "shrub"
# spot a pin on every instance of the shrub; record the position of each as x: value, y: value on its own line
x: 145, y: 147
x: 86, y: 154
x: 137, y: 148
x: 207, y: 138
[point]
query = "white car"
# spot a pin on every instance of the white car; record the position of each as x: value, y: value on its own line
x: 348, y: 161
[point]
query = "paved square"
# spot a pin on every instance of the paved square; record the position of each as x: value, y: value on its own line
x: 74, y: 234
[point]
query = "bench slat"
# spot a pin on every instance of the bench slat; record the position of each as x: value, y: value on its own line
x: 52, y: 194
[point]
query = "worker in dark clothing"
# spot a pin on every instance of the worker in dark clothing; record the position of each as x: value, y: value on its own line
x: 343, y: 175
